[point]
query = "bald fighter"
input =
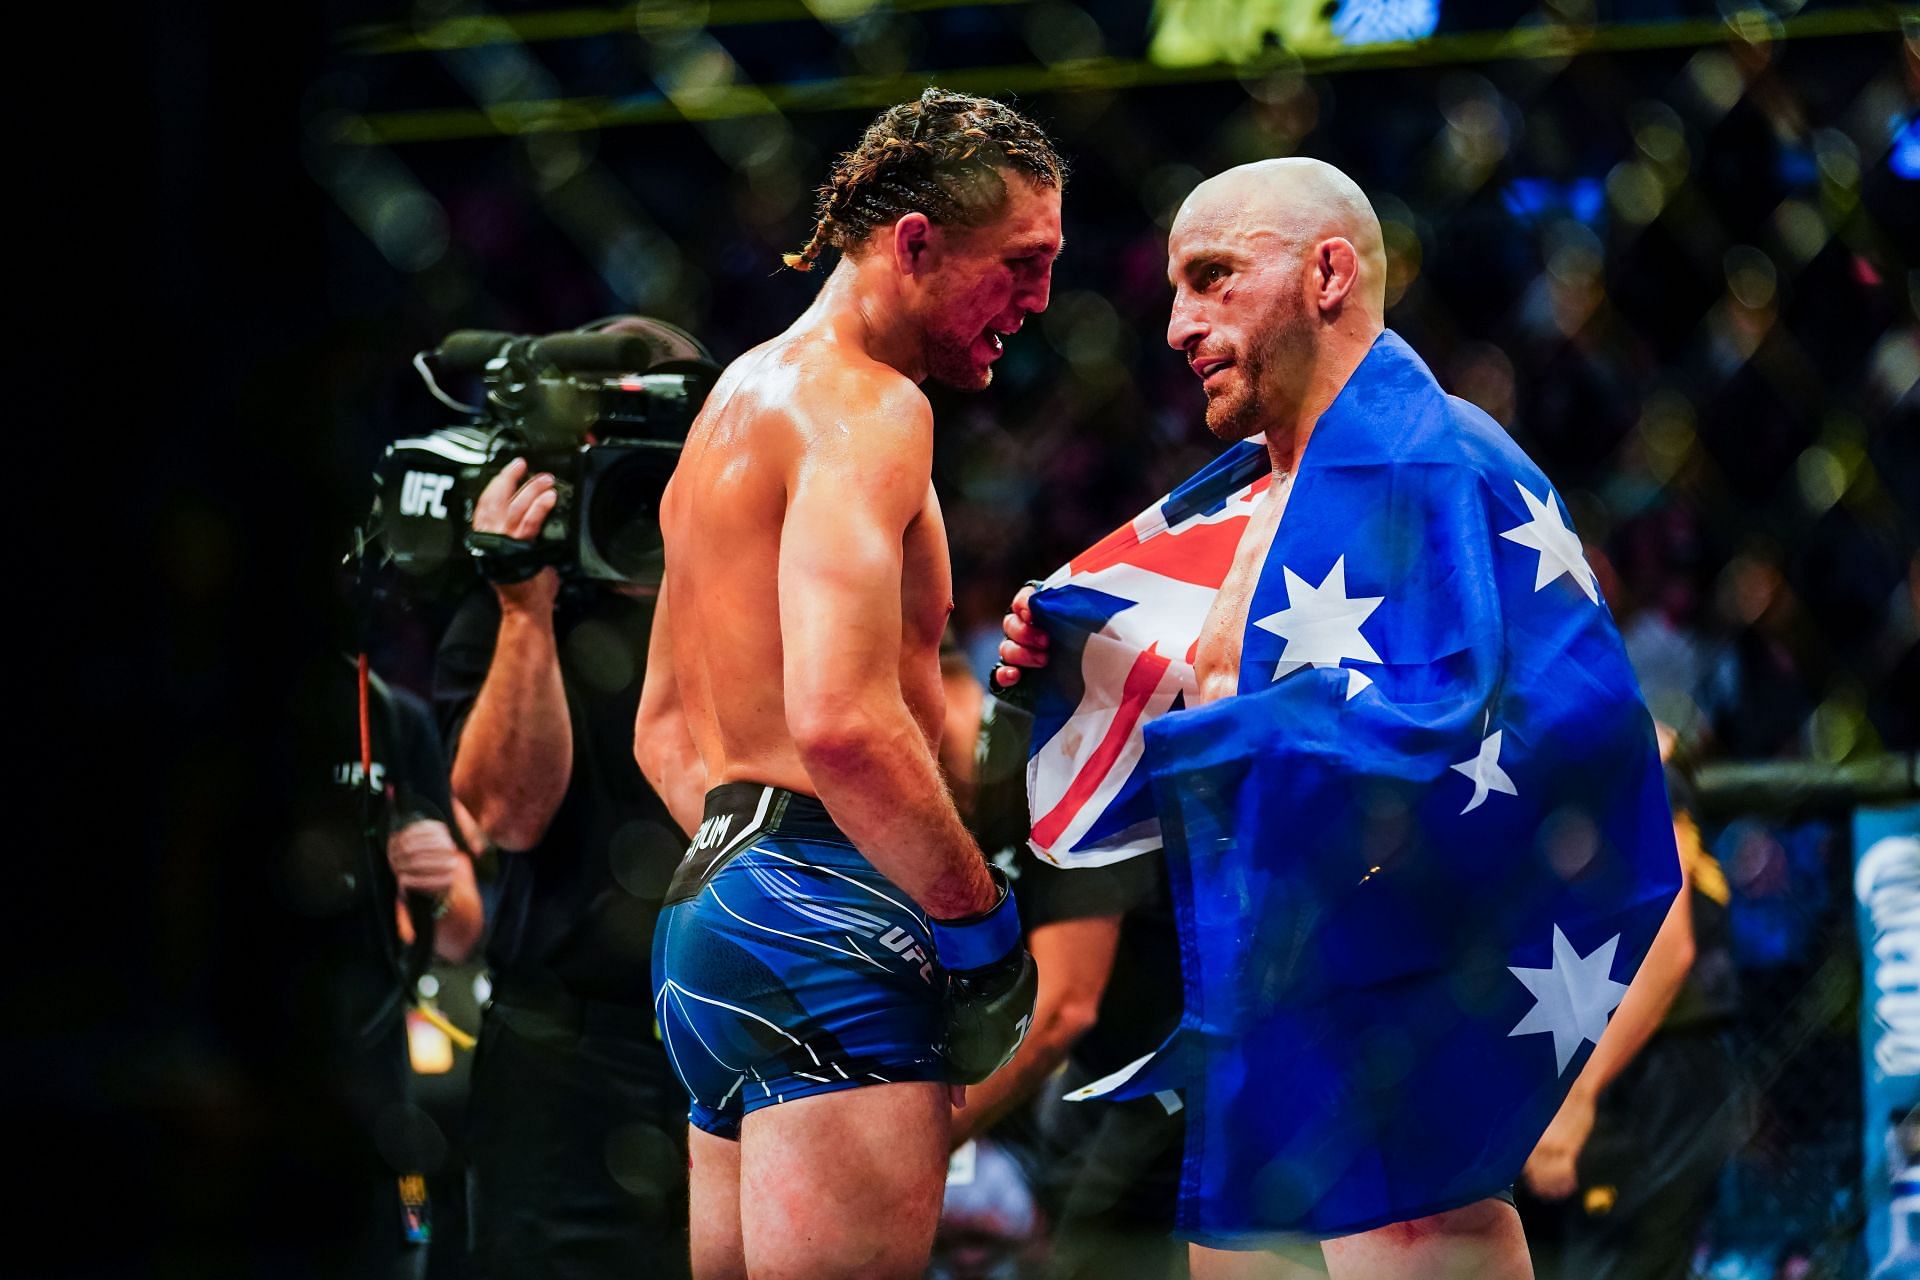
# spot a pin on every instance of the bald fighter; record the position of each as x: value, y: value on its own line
x: 835, y: 952
x: 1279, y: 280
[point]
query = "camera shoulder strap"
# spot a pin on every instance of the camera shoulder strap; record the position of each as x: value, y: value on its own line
x: 506, y: 560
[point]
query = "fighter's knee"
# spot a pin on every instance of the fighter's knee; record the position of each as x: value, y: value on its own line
x: 1480, y: 1241
x: 1491, y: 1218
x: 854, y: 1255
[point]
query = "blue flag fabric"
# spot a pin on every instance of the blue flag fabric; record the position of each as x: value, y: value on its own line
x: 1418, y: 857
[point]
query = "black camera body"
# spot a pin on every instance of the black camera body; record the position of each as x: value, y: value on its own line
x: 605, y: 412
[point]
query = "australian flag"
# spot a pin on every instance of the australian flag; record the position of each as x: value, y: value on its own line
x: 1420, y: 855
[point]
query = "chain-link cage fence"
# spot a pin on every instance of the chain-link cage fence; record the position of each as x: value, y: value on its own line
x: 1673, y: 249
x: 1792, y: 1188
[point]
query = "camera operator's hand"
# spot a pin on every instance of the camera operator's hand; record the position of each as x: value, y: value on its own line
x: 514, y: 758
x: 424, y: 857
x: 518, y: 510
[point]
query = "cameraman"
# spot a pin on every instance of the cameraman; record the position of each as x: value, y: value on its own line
x: 576, y: 1125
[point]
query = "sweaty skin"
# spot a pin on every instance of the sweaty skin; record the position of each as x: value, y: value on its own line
x: 807, y: 575
x: 796, y: 414
x: 796, y: 644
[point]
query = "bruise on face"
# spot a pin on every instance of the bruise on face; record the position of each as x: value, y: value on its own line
x: 991, y: 279
x: 1203, y: 257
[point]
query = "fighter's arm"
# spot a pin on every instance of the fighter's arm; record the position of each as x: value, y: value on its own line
x: 662, y: 743
x: 1075, y: 959
x: 849, y: 504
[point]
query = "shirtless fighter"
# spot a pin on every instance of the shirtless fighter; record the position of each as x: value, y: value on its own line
x: 835, y: 952
x: 1279, y: 284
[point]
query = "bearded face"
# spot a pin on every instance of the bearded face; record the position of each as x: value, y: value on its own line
x: 1272, y: 347
x: 960, y: 354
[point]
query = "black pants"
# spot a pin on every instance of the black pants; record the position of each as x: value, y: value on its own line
x: 1649, y: 1174
x: 577, y: 1148
x: 390, y: 1140
x: 1109, y: 1179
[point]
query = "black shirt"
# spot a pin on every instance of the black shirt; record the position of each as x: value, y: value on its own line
x: 579, y: 908
x: 1710, y: 996
x: 348, y: 1005
x: 1143, y: 999
x: 1142, y: 1002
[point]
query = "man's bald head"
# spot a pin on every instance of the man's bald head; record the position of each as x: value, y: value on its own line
x: 1279, y: 283
x: 1299, y: 202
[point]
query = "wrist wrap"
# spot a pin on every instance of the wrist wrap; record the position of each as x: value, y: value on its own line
x: 975, y: 942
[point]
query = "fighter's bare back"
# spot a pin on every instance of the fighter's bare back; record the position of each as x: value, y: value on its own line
x: 784, y: 404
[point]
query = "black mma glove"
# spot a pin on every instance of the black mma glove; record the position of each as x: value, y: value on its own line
x: 991, y: 983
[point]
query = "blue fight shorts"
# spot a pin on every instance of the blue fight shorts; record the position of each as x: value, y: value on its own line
x: 785, y: 966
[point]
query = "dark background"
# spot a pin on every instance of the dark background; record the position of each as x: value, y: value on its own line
x: 1690, y: 384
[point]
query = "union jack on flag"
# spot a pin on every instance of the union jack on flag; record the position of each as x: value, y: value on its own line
x: 1125, y: 619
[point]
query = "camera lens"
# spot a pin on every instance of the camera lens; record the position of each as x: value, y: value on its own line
x: 623, y: 516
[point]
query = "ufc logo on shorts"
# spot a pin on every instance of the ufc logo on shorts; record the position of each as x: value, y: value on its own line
x: 421, y: 493
x: 711, y: 832
x: 901, y: 943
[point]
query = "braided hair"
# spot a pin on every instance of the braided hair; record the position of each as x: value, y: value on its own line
x: 940, y: 155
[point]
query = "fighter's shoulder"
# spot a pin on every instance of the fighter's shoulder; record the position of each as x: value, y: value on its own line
x: 858, y: 394
x: 857, y: 412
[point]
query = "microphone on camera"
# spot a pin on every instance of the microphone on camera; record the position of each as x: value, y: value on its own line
x: 469, y: 350
x: 597, y: 352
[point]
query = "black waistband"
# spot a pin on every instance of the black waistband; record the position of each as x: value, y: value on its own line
x: 735, y: 808
x: 737, y: 814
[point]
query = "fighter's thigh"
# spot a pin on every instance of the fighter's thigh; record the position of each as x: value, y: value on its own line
x: 1231, y: 1264
x: 1481, y: 1241
x: 713, y: 1178
x: 844, y: 1184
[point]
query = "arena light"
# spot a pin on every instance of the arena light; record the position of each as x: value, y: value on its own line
x: 429, y: 1047
x: 845, y: 93
x: 474, y: 30
x: 1904, y: 159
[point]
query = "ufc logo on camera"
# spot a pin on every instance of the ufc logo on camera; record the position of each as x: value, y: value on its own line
x: 421, y: 493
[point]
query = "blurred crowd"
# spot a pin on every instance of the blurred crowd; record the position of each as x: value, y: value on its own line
x: 1682, y: 279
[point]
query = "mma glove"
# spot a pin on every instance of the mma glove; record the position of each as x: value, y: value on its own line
x: 991, y: 984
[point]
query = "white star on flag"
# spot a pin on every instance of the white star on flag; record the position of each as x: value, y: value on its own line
x: 1486, y: 773
x: 1573, y: 998
x: 1559, y: 546
x: 1321, y: 626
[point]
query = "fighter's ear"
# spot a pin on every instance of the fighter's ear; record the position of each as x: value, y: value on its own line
x: 912, y: 243
x: 1336, y: 271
